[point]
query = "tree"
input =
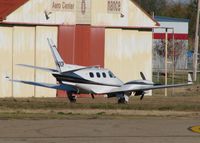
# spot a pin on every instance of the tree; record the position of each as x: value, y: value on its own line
x: 176, y: 9
x: 153, y: 6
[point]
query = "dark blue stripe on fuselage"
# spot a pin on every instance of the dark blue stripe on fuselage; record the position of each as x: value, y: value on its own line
x: 74, y: 78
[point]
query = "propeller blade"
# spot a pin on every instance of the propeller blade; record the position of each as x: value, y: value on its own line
x: 142, y: 96
x: 142, y: 75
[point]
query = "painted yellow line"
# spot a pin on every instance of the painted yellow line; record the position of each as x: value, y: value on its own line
x: 195, y: 129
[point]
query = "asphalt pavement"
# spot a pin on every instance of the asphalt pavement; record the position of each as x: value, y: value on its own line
x: 139, y: 130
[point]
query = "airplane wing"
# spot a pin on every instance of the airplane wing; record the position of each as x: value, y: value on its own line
x: 65, y: 87
x: 39, y: 68
x: 134, y: 88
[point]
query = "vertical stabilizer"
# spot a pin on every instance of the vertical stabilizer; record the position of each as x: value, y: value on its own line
x: 57, y: 58
x: 60, y: 64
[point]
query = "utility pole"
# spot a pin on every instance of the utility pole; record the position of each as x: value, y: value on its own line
x: 195, y: 58
x: 166, y: 58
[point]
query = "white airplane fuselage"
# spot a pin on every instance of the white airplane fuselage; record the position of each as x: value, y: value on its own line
x: 90, y: 80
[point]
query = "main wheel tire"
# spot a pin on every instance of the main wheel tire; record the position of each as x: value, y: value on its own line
x: 72, y: 98
x: 122, y: 101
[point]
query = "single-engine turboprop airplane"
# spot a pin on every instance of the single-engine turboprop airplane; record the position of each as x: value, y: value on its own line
x: 75, y: 79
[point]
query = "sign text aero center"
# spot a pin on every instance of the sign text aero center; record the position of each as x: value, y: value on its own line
x: 62, y: 5
x: 114, y: 6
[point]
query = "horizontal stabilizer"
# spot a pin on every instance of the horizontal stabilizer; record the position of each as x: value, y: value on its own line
x: 39, y: 68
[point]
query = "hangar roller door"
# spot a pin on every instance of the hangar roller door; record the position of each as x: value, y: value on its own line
x: 44, y: 58
x: 23, y: 53
x: 26, y: 45
x: 126, y: 49
x: 5, y: 61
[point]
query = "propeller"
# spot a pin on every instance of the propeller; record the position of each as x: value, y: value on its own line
x: 142, y: 75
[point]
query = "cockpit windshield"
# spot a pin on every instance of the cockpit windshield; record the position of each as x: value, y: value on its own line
x: 111, y: 74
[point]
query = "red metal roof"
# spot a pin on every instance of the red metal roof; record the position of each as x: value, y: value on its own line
x: 8, y: 6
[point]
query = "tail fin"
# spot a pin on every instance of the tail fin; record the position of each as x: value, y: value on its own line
x: 57, y: 58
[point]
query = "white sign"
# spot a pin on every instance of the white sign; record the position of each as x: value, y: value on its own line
x: 62, y: 5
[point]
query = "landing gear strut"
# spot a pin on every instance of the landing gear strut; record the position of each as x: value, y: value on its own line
x: 71, y: 98
x: 122, y: 100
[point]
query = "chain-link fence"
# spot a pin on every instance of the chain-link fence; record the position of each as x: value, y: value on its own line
x: 180, y: 64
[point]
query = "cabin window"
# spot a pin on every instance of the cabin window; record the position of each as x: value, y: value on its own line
x: 104, y: 74
x: 98, y: 75
x: 91, y: 75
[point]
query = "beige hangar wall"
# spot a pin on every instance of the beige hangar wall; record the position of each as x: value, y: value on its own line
x: 128, y: 52
x: 70, y: 12
x: 34, y: 12
x: 122, y: 13
x: 44, y: 58
x: 23, y: 53
x: 26, y: 45
x: 5, y: 61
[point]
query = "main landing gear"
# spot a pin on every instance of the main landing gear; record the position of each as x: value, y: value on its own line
x: 123, y: 99
x: 71, y: 98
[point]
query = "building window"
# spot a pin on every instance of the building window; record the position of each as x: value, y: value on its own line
x: 104, y: 74
x: 98, y: 75
x: 91, y: 75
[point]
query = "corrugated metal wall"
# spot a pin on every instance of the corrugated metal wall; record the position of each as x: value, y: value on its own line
x: 26, y: 45
x: 5, y: 61
x: 44, y: 58
x: 66, y: 43
x: 119, y: 13
x: 128, y: 52
x: 81, y: 44
x: 97, y: 46
x: 94, y: 12
x: 23, y: 53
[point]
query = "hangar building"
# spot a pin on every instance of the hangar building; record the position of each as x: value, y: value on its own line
x: 116, y: 34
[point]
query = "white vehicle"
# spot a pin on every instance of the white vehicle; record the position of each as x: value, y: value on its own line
x: 75, y: 79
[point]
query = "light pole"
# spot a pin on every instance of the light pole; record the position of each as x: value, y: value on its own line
x: 166, y: 58
x: 195, y: 59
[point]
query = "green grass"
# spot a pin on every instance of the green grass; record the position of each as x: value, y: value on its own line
x: 176, y: 103
x: 184, y: 99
